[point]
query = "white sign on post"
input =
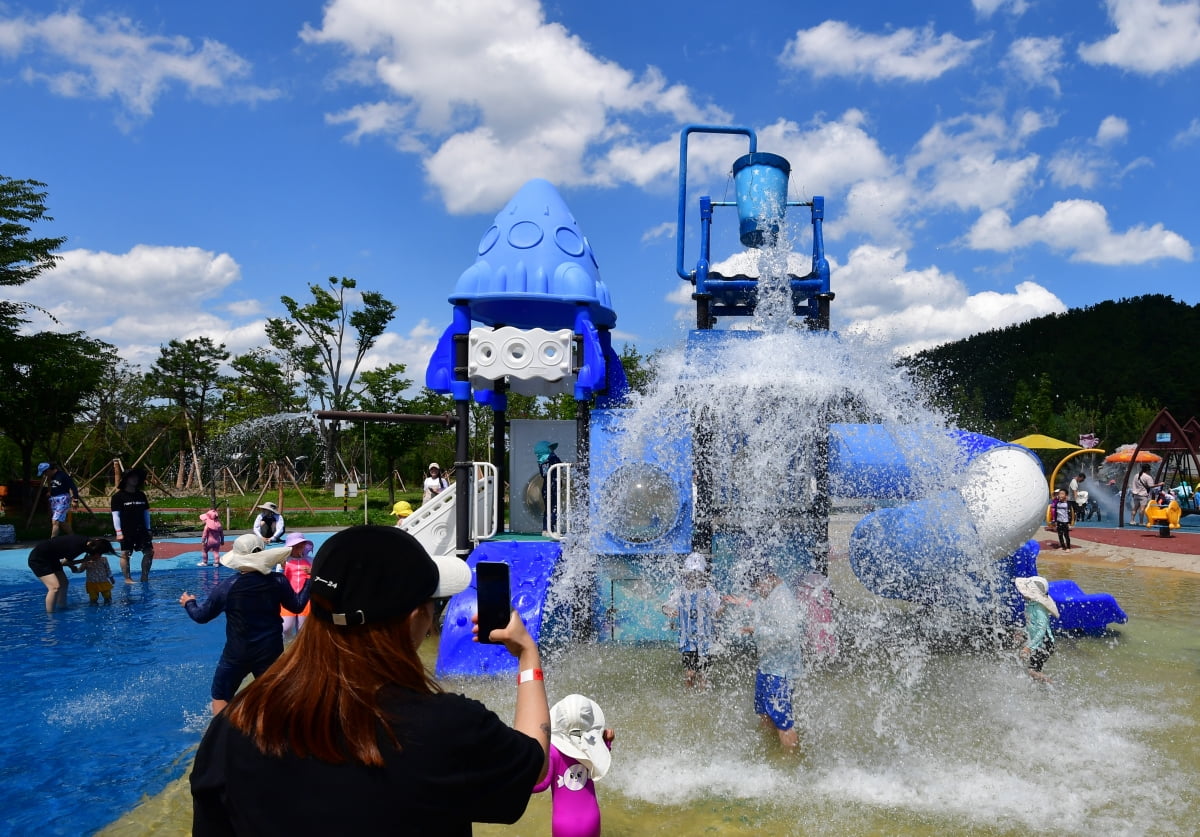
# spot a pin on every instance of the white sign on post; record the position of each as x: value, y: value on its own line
x: 339, y: 489
x: 352, y: 489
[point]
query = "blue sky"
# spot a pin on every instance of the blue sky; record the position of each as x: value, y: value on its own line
x: 983, y: 161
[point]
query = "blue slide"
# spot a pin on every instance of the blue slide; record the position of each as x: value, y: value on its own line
x: 531, y: 565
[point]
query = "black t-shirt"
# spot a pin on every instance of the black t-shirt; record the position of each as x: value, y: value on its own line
x: 458, y: 764
x: 46, y: 557
x: 132, y: 506
x: 61, y: 483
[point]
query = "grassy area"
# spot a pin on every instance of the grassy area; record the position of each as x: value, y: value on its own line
x: 169, y: 515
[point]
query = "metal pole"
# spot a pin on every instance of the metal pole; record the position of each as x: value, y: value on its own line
x: 499, y: 435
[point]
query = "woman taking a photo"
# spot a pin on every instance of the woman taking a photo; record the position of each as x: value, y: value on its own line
x: 348, y: 733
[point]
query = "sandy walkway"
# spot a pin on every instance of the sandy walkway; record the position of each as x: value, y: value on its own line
x: 1094, y: 552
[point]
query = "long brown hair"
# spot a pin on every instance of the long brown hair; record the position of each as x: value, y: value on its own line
x: 321, y: 698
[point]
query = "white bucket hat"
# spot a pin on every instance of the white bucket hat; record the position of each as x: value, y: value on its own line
x: 1037, y: 589
x: 577, y: 730
x: 250, y: 552
x: 269, y: 507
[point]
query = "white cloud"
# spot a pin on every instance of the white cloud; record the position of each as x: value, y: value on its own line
x: 665, y: 230
x: 1112, y: 130
x: 393, y: 347
x: 907, y: 311
x: 109, y: 57
x: 965, y: 161
x: 142, y: 299
x: 1036, y: 61
x: 827, y: 155
x: 1084, y: 167
x: 834, y: 48
x: 987, y: 8
x: 1152, y: 36
x: 880, y: 208
x: 1073, y: 168
x: 1081, y: 229
x: 520, y: 98
x: 1188, y: 135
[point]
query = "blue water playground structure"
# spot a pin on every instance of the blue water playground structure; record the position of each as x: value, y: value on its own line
x: 637, y: 492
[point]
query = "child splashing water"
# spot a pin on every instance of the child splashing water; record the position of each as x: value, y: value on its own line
x: 579, y: 756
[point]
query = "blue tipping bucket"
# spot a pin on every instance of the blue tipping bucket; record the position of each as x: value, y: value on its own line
x: 761, y: 181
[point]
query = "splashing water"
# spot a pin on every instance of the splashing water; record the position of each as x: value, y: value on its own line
x: 924, y: 722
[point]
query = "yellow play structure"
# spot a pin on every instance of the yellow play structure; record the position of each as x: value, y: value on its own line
x: 1160, y: 515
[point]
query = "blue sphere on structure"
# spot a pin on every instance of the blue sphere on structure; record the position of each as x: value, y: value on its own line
x: 639, y: 503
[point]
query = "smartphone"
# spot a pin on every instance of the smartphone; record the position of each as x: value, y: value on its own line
x: 494, y: 597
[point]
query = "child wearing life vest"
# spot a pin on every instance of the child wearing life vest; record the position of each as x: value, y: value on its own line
x: 579, y: 756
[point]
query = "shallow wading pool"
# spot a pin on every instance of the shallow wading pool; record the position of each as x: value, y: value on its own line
x: 108, y: 702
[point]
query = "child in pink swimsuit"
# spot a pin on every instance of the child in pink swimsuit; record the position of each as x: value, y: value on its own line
x: 212, y: 538
x: 579, y: 756
x: 297, y: 568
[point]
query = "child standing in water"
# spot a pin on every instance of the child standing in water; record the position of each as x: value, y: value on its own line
x: 250, y: 600
x: 695, y: 605
x: 99, y: 579
x: 297, y: 568
x: 1039, y: 607
x: 579, y: 756
x: 778, y: 629
x: 212, y: 538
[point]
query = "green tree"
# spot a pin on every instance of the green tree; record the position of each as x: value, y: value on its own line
x: 640, y: 369
x: 1127, y: 421
x: 22, y: 258
x: 188, y: 373
x: 383, y: 392
x: 49, y: 377
x: 115, y: 412
x: 316, y: 334
x: 265, y: 385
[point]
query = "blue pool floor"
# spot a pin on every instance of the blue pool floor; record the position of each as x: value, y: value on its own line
x: 104, y: 703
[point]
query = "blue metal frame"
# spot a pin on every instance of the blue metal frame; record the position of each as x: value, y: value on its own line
x: 738, y: 295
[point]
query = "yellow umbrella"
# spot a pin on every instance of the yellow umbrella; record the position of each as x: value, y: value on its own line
x: 1037, y: 441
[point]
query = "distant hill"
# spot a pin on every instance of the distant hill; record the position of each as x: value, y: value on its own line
x: 1147, y: 347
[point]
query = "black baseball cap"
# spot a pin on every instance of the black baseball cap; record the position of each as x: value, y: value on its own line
x: 371, y: 574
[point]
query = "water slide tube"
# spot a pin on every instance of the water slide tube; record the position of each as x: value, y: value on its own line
x: 960, y: 545
x: 955, y: 546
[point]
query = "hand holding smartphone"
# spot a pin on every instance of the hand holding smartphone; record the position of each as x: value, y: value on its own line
x: 494, y: 603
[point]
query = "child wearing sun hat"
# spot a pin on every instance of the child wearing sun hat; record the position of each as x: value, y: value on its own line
x: 297, y: 568
x: 250, y: 601
x: 212, y: 538
x: 579, y: 757
x: 402, y: 510
x: 1039, y: 607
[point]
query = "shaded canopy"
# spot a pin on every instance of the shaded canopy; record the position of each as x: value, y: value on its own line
x: 1126, y: 455
x: 1036, y: 441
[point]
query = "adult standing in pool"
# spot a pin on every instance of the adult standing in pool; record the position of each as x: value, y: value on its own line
x: 48, y: 558
x: 131, y: 518
x: 352, y: 716
x: 61, y: 490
